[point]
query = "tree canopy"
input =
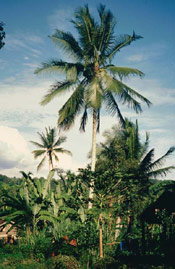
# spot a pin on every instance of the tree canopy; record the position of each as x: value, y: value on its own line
x: 2, y: 35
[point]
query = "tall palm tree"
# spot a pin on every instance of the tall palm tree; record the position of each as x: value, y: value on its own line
x: 95, y: 81
x: 49, y: 147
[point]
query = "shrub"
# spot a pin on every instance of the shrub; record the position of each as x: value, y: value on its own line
x: 63, y: 262
x: 38, y: 247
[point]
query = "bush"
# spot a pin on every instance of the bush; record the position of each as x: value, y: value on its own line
x: 63, y: 262
x: 38, y: 247
x: 8, y: 252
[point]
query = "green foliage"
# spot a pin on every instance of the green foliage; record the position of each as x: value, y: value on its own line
x: 38, y: 247
x: 63, y: 262
x: 106, y: 263
x: 122, y: 186
x: 28, y: 252
x: 30, y: 208
x: 14, y: 256
x: 2, y: 35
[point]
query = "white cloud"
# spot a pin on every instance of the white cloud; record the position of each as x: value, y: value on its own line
x: 137, y: 57
x: 33, y: 38
x: 15, y: 155
x: 154, y: 91
x: 13, y: 148
x: 24, y: 42
x: 146, y: 53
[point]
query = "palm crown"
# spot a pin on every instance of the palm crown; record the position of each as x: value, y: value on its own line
x: 92, y: 76
x: 49, y: 147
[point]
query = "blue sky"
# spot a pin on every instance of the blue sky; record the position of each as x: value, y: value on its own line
x: 28, y: 24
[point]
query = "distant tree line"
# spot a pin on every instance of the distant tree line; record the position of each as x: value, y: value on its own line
x: 2, y: 35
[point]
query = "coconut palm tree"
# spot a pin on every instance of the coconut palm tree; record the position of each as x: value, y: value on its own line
x: 94, y: 80
x: 49, y: 147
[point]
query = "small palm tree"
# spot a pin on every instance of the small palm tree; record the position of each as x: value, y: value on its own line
x: 49, y: 147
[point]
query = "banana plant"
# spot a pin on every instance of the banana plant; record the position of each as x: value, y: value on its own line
x: 30, y: 206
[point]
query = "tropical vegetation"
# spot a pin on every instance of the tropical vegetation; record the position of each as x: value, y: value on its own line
x: 113, y: 213
x: 58, y: 217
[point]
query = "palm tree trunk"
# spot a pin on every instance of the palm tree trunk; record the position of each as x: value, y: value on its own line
x: 28, y: 231
x: 49, y: 165
x: 94, y: 134
x: 93, y: 160
x: 50, y: 168
x: 50, y: 161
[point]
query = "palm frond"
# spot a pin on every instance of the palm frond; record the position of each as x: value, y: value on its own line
x: 145, y: 146
x: 40, y: 165
x: 120, y: 42
x: 51, y: 135
x: 60, y: 140
x: 113, y: 107
x: 71, y: 74
x: 105, y: 33
x: 161, y: 172
x: 67, y: 42
x: 64, y: 151
x: 43, y: 139
x: 128, y: 91
x: 57, y: 89
x: 160, y: 161
x: 71, y: 108
x: 52, y: 66
x: 123, y: 72
x: 37, y: 153
x: 121, y: 91
x: 83, y: 120
x: 86, y: 27
x: 147, y: 160
x: 60, y: 67
x: 37, y: 144
x: 56, y: 157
